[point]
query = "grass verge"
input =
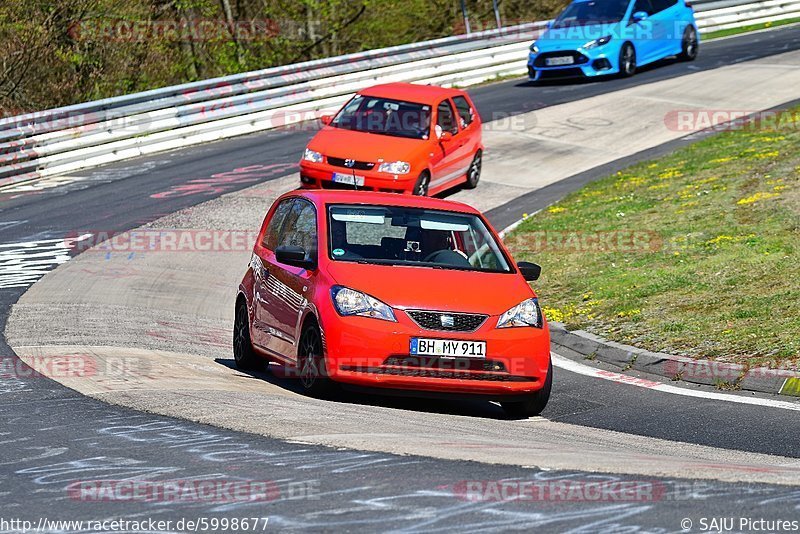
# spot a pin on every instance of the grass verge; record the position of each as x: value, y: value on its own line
x: 696, y: 253
x: 751, y: 28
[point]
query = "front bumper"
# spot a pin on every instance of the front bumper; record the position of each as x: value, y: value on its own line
x: 586, y: 63
x: 372, y: 353
x: 320, y: 176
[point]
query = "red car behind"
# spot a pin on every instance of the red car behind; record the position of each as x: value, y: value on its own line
x: 377, y: 290
x: 397, y: 137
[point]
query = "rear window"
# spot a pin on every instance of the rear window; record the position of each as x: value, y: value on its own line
x: 464, y: 110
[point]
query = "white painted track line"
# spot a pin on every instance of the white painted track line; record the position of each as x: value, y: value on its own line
x: 586, y: 370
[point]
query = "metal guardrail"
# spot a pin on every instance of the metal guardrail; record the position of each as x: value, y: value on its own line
x: 717, y: 15
x: 75, y: 137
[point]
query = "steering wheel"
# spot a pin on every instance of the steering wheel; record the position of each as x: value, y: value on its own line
x: 454, y: 257
x: 430, y: 256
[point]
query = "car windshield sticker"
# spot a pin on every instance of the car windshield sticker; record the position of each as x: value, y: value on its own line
x: 443, y: 222
x: 338, y: 252
x: 360, y: 215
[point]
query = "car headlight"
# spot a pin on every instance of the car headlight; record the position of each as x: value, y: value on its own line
x: 351, y: 302
x: 597, y: 42
x: 395, y: 167
x: 526, y: 313
x: 312, y: 156
x: 533, y: 48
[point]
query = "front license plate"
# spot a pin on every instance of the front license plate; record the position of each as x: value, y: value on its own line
x: 349, y: 179
x: 447, y: 348
x: 555, y: 61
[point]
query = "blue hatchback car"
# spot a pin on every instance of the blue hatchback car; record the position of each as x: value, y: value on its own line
x: 599, y: 37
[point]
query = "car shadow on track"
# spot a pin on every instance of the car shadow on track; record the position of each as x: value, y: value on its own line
x: 279, y: 377
x: 602, y: 79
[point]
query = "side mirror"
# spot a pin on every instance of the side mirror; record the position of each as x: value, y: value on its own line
x: 530, y: 271
x: 639, y: 16
x: 446, y: 136
x: 326, y: 119
x: 548, y: 24
x: 295, y: 256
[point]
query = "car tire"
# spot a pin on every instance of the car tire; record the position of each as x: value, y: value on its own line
x: 474, y: 171
x: 689, y: 45
x: 244, y: 355
x: 627, y: 60
x: 422, y: 185
x: 311, y: 363
x: 535, y: 403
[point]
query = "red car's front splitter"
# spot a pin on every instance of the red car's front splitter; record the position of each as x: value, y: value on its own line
x: 438, y: 380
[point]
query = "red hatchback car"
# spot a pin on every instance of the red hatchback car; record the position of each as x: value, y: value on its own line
x: 377, y: 290
x: 397, y: 137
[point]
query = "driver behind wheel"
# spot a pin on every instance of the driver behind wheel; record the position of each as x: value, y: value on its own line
x: 437, y: 247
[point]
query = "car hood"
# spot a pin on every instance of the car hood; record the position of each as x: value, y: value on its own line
x: 408, y: 287
x: 575, y: 37
x: 361, y: 146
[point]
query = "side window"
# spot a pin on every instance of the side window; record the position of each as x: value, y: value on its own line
x: 643, y: 5
x: 300, y: 229
x: 270, y: 240
x: 661, y: 5
x: 464, y: 110
x: 445, y: 118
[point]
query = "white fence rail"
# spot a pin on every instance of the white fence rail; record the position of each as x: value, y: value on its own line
x: 75, y: 137
x: 717, y: 15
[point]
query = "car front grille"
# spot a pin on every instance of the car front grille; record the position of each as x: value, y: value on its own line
x: 328, y: 184
x: 432, y: 367
x: 356, y: 165
x: 578, y: 58
x: 447, y: 321
x: 559, y: 74
x: 441, y: 373
x: 446, y: 364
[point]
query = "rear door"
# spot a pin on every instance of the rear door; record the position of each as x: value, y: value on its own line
x: 663, y: 20
x: 669, y: 27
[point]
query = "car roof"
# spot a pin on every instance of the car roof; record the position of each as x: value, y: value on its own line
x: 338, y: 196
x: 411, y: 92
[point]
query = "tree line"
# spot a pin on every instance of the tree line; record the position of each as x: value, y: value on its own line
x: 60, y: 52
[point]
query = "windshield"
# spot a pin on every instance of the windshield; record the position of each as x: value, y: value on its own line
x: 394, y: 235
x: 384, y: 116
x: 593, y: 12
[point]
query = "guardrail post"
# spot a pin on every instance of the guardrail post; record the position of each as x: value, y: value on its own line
x: 466, y: 16
x: 496, y: 14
